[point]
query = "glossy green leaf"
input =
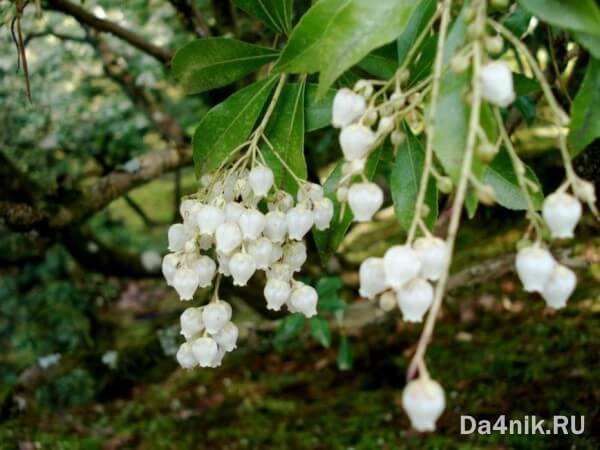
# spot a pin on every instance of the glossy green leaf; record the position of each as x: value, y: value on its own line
x: 334, y: 35
x: 285, y: 132
x: 226, y: 126
x: 289, y: 328
x: 321, y: 331
x: 590, y: 42
x: 329, y: 240
x: 405, y: 178
x: 345, y: 359
x: 276, y: 14
x: 381, y: 62
x: 214, y: 62
x: 317, y: 111
x: 517, y: 21
x: 416, y: 24
x: 501, y: 176
x: 585, y: 112
x: 329, y: 299
x: 576, y: 15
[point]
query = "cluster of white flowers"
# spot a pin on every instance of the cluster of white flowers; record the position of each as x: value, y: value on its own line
x: 404, y: 275
x: 537, y: 269
x: 226, y: 233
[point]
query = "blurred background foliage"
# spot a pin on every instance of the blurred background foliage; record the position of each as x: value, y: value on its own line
x: 88, y: 330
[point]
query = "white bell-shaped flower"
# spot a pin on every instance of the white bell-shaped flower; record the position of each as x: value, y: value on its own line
x: 559, y: 287
x: 414, y: 299
x: 191, y: 322
x: 424, y: 401
x: 185, y: 356
x: 252, y: 223
x: 242, y: 266
x: 178, y: 235
x: 356, y: 141
x: 283, y: 201
x: 262, y: 251
x: 276, y: 292
x: 303, y: 299
x: 280, y: 271
x: 218, y: 359
x: 433, y: 253
x: 185, y: 282
x: 189, y: 209
x: 233, y: 211
x: 169, y: 267
x: 534, y: 267
x: 348, y: 107
x: 227, y: 337
x: 223, y: 261
x: 294, y: 255
x: 371, y: 277
x: 299, y: 221
x: 309, y: 191
x: 276, y: 253
x: 561, y: 212
x: 205, y: 350
x: 400, y: 264
x: 387, y: 301
x: 323, y: 213
x: 364, y: 199
x: 260, y: 179
x: 275, y: 226
x: 496, y: 81
x: 228, y: 237
x: 209, y: 217
x: 205, y: 269
x: 215, y: 315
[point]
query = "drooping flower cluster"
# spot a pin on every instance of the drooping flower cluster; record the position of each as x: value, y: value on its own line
x: 405, y: 273
x: 225, y: 233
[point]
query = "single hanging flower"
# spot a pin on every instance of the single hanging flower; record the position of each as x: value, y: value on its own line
x: 561, y: 212
x: 208, y: 218
x: 276, y: 292
x: 433, y: 253
x: 414, y: 299
x: 261, y: 250
x: 228, y: 237
x: 364, y: 199
x: 242, y: 266
x: 227, y: 337
x: 185, y: 282
x: 275, y: 226
x: 534, y: 267
x: 185, y: 356
x: 299, y: 220
x: 252, y: 223
x: 178, y: 235
x: 559, y: 287
x: 348, y: 107
x: 169, y: 267
x: 261, y: 179
x: 356, y: 141
x: 205, y: 350
x: 372, y: 277
x: 400, y: 264
x: 304, y: 299
x: 323, y: 213
x: 215, y: 315
x: 191, y: 322
x: 424, y: 401
x: 205, y: 269
x: 496, y: 82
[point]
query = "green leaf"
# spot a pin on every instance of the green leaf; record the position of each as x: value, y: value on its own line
x: 501, y: 176
x: 289, y: 328
x: 320, y: 330
x: 517, y: 21
x: 576, y: 15
x: 345, y: 358
x: 214, y: 62
x: 329, y: 299
x: 405, y: 178
x: 589, y: 41
x: 285, y: 132
x: 416, y: 24
x: 276, y: 14
x: 525, y: 85
x: 226, y: 126
x: 585, y: 113
x: 317, y: 112
x: 381, y: 62
x: 329, y: 240
x: 334, y: 35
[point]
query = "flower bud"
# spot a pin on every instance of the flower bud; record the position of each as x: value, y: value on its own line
x: 191, y: 322
x: 370, y: 117
x: 561, y: 212
x: 304, y: 299
x: 205, y: 350
x: 387, y: 301
x: 444, y: 184
x: 276, y: 293
x: 372, y: 277
x: 209, y: 217
x: 342, y: 194
x: 364, y: 87
x: 496, y: 82
x: 228, y: 237
x: 275, y: 226
x: 299, y: 220
x: 260, y: 179
x: 397, y: 137
x: 398, y: 99
x: 347, y: 108
x: 205, y: 269
x: 494, y: 44
x: 433, y: 254
x: 185, y: 356
x: 486, y: 194
x: 261, y: 251
x: 385, y: 125
x: 534, y: 267
x: 178, y: 235
x: 215, y: 315
x: 227, y: 337
x: 252, y: 223
x: 585, y: 191
x: 242, y: 266
x: 356, y: 141
x: 414, y: 299
x: 169, y: 267
x: 185, y: 283
x: 424, y: 401
x: 364, y: 199
x: 294, y: 255
x: 400, y: 264
x: 323, y: 213
x: 559, y: 287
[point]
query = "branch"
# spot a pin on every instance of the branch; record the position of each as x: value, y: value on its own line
x: 191, y: 17
x: 86, y: 18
